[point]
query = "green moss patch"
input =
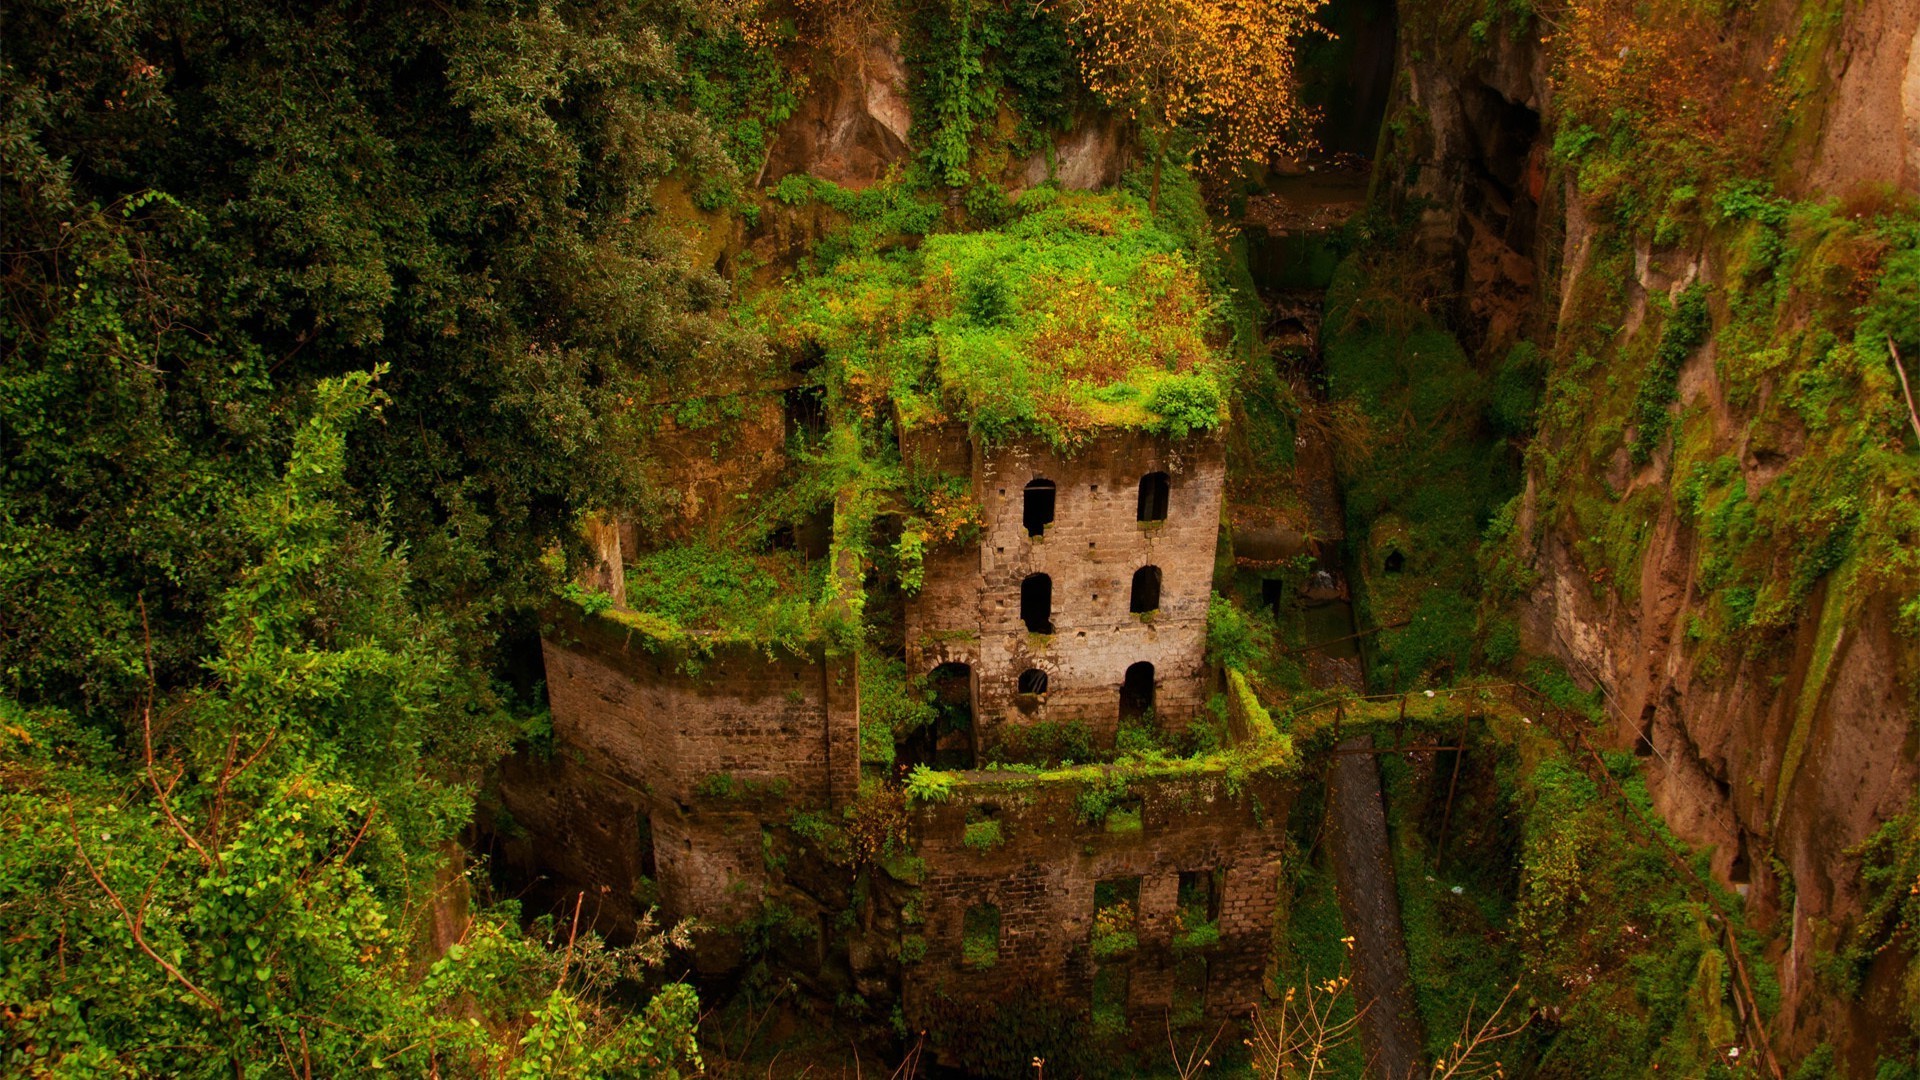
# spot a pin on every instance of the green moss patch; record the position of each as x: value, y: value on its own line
x: 1080, y: 314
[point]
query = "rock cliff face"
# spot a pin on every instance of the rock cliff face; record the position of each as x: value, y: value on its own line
x: 1785, y: 751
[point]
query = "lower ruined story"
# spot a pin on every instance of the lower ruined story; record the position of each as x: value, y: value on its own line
x: 1082, y: 607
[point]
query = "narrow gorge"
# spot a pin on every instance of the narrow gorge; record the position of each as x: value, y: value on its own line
x: 1074, y: 538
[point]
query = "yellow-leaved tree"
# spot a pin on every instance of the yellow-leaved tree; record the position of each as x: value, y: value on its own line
x: 1209, y: 79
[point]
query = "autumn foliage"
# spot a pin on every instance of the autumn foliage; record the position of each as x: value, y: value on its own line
x: 1213, y: 78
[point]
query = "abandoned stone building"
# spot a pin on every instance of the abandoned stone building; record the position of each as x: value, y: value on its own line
x: 670, y: 780
x: 1085, y: 600
x: 722, y: 774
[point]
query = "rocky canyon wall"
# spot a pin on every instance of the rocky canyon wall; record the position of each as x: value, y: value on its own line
x: 1706, y: 224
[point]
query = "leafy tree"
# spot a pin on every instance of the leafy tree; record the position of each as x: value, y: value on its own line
x: 209, y: 207
x: 319, y: 324
x: 1213, y: 79
x: 250, y: 895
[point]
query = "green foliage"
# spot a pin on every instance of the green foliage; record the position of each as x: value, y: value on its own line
x: 965, y: 60
x: 1433, y: 481
x: 1516, y: 390
x: 1685, y: 330
x: 1097, y: 797
x: 742, y: 89
x: 892, y: 703
x: 1116, y: 906
x: 983, y: 835
x: 1184, y: 404
x: 1045, y: 742
x: 1077, y: 315
x: 1233, y: 639
x: 463, y: 191
x: 879, y: 217
x: 273, y: 887
x: 704, y: 590
x: 928, y: 785
x: 1889, y: 871
x: 980, y: 936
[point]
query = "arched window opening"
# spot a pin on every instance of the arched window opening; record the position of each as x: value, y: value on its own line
x: 1394, y: 562
x: 1033, y: 681
x: 1036, y: 603
x: 1153, y: 497
x: 1146, y: 590
x: 804, y: 409
x: 1136, y: 692
x: 1037, y: 513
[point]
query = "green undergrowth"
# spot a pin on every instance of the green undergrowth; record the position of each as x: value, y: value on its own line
x: 1890, y: 923
x: 1314, y: 949
x: 699, y: 589
x: 1079, y: 314
x: 989, y: 84
x: 1431, y: 477
x: 1802, y: 455
x: 1530, y: 881
x: 743, y: 89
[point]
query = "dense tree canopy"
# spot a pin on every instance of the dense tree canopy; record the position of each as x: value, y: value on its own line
x: 321, y: 324
x: 1211, y: 78
x: 208, y: 208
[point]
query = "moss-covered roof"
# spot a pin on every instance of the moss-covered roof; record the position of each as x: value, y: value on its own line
x: 1079, y: 314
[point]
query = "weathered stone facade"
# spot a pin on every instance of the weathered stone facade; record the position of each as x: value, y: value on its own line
x: 666, y: 769
x: 969, y: 609
x: 675, y: 779
x: 1042, y: 880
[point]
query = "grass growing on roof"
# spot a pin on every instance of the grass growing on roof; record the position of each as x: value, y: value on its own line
x: 1079, y: 314
x: 702, y: 590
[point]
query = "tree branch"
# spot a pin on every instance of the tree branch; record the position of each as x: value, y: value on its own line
x: 1913, y: 415
x: 133, y: 922
x: 146, y: 733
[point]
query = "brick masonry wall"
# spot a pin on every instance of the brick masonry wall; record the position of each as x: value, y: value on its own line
x: 703, y: 757
x: 1042, y: 879
x: 968, y: 611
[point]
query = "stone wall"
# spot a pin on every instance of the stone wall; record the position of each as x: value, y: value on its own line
x: 968, y: 611
x: 665, y: 769
x: 1042, y: 878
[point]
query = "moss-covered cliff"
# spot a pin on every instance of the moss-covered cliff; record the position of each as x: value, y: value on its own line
x: 1683, y: 241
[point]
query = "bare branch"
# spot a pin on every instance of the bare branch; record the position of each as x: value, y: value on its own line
x: 146, y: 731
x: 133, y: 922
x: 1913, y: 415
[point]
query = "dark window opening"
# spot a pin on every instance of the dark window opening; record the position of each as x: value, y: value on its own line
x: 1189, y: 990
x: 1037, y: 513
x: 1109, y: 1013
x: 1153, y: 497
x: 1271, y: 590
x: 1199, y: 897
x: 980, y: 936
x: 1136, y: 692
x: 1146, y: 590
x: 805, y: 409
x: 1033, y: 681
x: 811, y: 536
x: 946, y: 741
x: 1036, y: 603
x: 645, y: 888
x: 1395, y: 562
x: 648, y: 865
x: 1116, y: 910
